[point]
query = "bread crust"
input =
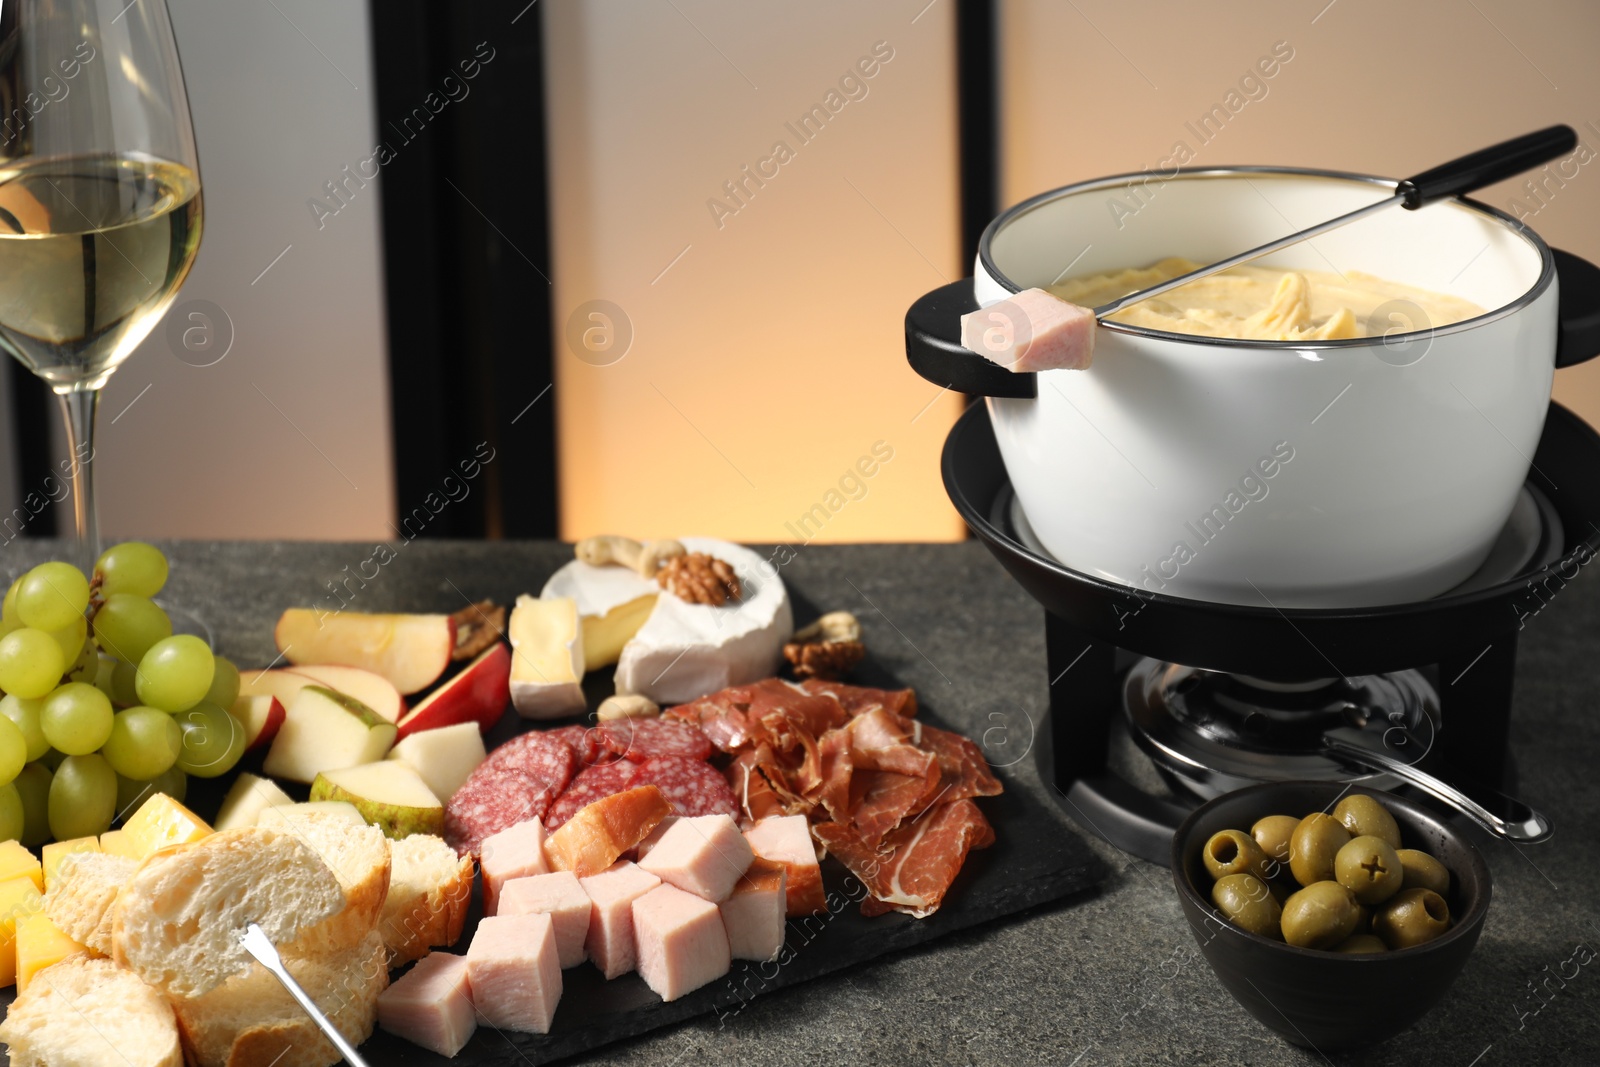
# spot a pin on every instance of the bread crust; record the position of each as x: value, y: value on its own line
x: 79, y: 1011
x: 414, y: 923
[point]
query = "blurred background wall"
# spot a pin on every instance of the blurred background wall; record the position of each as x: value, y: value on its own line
x: 745, y: 357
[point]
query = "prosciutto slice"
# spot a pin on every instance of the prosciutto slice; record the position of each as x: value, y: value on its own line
x: 913, y: 868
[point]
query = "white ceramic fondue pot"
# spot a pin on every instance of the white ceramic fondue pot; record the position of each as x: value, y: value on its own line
x: 1320, y: 474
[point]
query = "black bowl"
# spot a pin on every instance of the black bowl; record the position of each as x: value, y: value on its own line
x: 1329, y: 1000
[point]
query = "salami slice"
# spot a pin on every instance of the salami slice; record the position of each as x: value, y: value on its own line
x: 583, y: 740
x: 519, y: 781
x: 642, y: 739
x: 591, y: 784
x: 691, y: 786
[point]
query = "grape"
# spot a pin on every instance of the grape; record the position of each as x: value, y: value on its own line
x: 132, y: 567
x: 8, y: 610
x: 175, y: 673
x: 73, y: 640
x: 13, y: 753
x: 131, y: 793
x: 12, y: 818
x: 33, y: 785
x: 31, y: 663
x: 144, y: 742
x: 52, y: 595
x: 83, y: 797
x: 105, y: 669
x: 128, y: 626
x: 76, y: 718
x: 124, y: 691
x: 213, y: 741
x: 224, y: 684
x: 52, y: 759
x: 25, y: 714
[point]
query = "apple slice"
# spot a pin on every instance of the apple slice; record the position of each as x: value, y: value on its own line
x: 261, y: 714
x: 442, y: 758
x: 388, y: 794
x: 411, y: 651
x: 324, y: 730
x: 275, y: 683
x: 478, y: 694
x: 249, y: 797
x: 546, y: 658
x: 373, y: 690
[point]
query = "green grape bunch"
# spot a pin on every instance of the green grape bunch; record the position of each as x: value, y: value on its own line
x: 101, y: 704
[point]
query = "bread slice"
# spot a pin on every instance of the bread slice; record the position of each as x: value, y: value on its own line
x: 87, y: 1012
x: 429, y: 892
x: 176, y: 923
x: 250, y: 1020
x: 358, y: 855
x: 82, y: 892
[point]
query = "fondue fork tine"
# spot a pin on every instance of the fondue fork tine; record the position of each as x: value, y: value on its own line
x: 258, y: 944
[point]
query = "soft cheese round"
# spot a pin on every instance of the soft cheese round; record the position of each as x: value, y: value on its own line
x: 598, y: 589
x: 684, y: 651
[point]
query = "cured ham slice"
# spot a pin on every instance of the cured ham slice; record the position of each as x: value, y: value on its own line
x: 855, y: 699
x: 771, y: 710
x: 913, y: 869
x: 882, y: 741
x: 601, y: 831
x: 964, y: 773
x: 752, y: 785
x: 1032, y: 330
x: 882, y: 800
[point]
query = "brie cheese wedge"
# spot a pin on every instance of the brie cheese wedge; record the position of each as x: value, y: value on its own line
x: 613, y: 602
x: 546, y: 658
x: 684, y: 651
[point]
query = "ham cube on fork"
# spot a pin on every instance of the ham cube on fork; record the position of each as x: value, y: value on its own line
x: 1031, y: 331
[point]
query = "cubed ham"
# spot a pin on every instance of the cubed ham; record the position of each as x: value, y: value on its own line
x: 431, y: 1005
x: 560, y: 896
x: 599, y: 832
x: 681, y: 941
x: 786, y: 839
x: 612, y: 892
x: 703, y: 855
x: 1031, y: 331
x: 517, y: 852
x: 648, y: 842
x: 514, y: 972
x: 753, y: 914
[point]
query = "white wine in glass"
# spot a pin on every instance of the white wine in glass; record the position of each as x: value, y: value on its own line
x: 100, y: 209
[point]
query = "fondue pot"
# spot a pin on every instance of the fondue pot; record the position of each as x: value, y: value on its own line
x: 1308, y: 474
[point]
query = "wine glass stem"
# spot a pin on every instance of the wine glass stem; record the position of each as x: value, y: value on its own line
x: 78, y: 409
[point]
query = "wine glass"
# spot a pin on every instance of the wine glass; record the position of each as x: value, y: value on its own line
x: 100, y: 210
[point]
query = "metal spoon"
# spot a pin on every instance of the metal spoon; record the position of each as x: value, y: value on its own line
x: 1362, y: 742
x: 1464, y: 175
x: 256, y: 942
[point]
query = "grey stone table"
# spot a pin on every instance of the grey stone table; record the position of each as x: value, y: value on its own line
x: 1109, y: 978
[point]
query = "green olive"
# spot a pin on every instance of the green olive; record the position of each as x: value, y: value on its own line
x: 1233, y: 852
x: 1422, y: 871
x: 1248, y: 904
x: 1272, y: 834
x: 1320, y: 916
x: 1356, y: 943
x: 1364, y: 817
x: 1411, y: 917
x: 1369, y: 868
x: 1315, y: 842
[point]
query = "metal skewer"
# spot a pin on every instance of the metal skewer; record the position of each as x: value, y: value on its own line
x: 256, y: 942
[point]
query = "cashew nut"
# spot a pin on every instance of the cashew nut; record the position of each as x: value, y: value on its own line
x: 609, y: 549
x: 627, y: 706
x: 655, y: 554
x: 834, y: 626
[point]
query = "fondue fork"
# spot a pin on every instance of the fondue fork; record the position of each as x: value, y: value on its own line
x: 258, y: 944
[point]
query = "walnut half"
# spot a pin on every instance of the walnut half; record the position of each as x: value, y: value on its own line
x: 699, y: 579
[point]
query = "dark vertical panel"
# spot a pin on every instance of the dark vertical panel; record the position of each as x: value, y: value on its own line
x: 34, y: 409
x: 978, y: 112
x: 466, y: 253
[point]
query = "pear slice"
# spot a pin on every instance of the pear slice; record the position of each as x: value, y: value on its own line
x: 388, y: 794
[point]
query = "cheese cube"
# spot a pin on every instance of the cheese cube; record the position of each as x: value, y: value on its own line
x: 559, y: 896
x: 514, y: 972
x: 547, y: 658
x: 116, y: 843
x: 39, y: 944
x: 159, y: 822
x: 56, y: 851
x: 610, y: 939
x: 17, y: 862
x: 753, y: 914
x: 704, y: 855
x: 516, y: 852
x: 786, y: 839
x: 682, y: 943
x: 431, y: 1005
x: 19, y: 897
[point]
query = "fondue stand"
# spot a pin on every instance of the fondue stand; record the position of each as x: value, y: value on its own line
x: 1216, y: 696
